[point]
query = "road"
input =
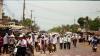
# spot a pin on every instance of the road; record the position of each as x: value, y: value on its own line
x: 83, y: 49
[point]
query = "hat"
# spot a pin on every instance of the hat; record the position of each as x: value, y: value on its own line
x: 21, y: 35
x: 12, y: 35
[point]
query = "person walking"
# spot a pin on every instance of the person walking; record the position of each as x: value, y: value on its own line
x: 1, y: 44
x: 22, y: 43
x: 61, y: 42
x: 54, y: 42
x: 65, y: 41
x: 50, y: 44
x: 5, y: 43
x: 74, y: 39
x: 11, y: 41
x: 89, y: 39
x: 68, y: 42
x: 30, y: 43
x: 43, y: 43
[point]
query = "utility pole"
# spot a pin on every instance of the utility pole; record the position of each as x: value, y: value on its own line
x: 31, y: 14
x: 24, y: 10
x: 74, y: 25
x: 34, y: 20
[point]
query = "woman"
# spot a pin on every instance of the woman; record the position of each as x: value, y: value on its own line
x: 22, y: 43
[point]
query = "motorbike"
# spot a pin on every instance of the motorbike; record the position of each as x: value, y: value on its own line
x: 94, y: 48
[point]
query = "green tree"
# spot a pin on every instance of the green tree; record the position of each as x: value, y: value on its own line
x: 81, y: 22
x: 74, y: 27
x: 95, y: 24
x: 27, y: 22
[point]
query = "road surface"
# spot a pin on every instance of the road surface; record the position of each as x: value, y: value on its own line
x: 83, y: 49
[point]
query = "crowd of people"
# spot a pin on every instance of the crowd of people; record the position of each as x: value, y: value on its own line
x: 41, y: 42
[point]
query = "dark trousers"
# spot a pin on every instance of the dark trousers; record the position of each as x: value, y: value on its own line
x: 89, y: 42
x: 0, y: 49
x: 75, y: 42
x: 61, y: 45
x: 50, y: 47
x: 68, y: 45
x: 65, y: 45
x: 21, y: 51
x: 31, y: 48
x: 5, y: 48
x: 54, y: 45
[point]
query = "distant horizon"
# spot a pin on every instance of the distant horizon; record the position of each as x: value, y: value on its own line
x: 53, y: 13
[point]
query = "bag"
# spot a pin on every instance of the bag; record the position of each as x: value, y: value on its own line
x: 15, y: 50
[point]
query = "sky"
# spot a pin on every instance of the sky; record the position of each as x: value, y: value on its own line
x: 50, y: 14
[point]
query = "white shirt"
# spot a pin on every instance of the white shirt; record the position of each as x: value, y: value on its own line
x: 90, y: 38
x: 54, y: 40
x: 65, y: 39
x: 22, y: 43
x: 69, y: 39
x: 61, y: 40
x: 30, y: 41
x: 36, y: 36
x: 5, y: 40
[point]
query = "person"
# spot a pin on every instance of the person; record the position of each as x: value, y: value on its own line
x: 61, y: 42
x: 30, y: 42
x: 43, y: 43
x: 54, y: 42
x: 50, y: 44
x: 94, y: 42
x: 74, y: 39
x: 5, y: 43
x: 11, y: 41
x: 36, y: 41
x: 89, y: 39
x: 65, y: 41
x: 68, y: 42
x: 1, y: 44
x: 22, y: 43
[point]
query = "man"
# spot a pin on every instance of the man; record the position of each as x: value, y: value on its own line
x: 5, y: 43
x: 50, y: 44
x: 89, y: 39
x: 74, y: 39
x: 11, y: 41
x: 1, y: 43
x: 68, y: 42
x: 65, y: 41
x: 22, y: 43
x: 30, y: 42
x: 61, y: 42
x: 54, y: 42
x: 36, y: 41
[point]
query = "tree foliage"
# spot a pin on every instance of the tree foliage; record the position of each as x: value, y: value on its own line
x: 89, y: 24
x: 27, y: 22
x: 64, y: 28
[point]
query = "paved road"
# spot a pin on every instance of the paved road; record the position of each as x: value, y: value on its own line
x: 82, y: 49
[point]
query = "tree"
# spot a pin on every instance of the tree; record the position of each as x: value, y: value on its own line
x: 95, y: 24
x: 74, y: 27
x: 27, y: 22
x: 81, y: 22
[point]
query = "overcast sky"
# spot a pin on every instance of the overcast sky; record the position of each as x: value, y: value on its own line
x: 53, y: 13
